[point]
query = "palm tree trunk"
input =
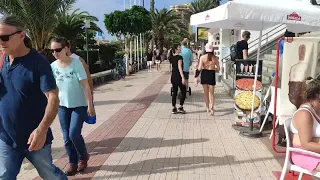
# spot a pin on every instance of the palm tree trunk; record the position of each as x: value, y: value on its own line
x: 161, y: 42
x: 156, y: 40
x: 152, y: 2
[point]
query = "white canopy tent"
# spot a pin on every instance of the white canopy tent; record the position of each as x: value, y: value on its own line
x: 299, y: 16
x: 259, y: 15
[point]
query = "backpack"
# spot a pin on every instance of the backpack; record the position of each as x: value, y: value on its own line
x: 233, y: 52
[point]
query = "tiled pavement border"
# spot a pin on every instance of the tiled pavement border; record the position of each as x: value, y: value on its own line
x: 105, y: 139
x: 190, y: 146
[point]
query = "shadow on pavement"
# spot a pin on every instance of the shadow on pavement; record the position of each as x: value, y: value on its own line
x: 217, y: 111
x: 133, y: 143
x: 108, y: 146
x: 167, y: 165
x: 163, y: 97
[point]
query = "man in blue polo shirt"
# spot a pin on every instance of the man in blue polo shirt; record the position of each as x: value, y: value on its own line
x: 186, y: 54
x: 28, y: 105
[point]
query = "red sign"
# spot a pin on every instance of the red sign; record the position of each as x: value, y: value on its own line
x: 207, y: 17
x: 294, y: 16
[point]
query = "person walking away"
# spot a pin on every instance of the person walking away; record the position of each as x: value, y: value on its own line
x: 75, y: 101
x: 122, y: 70
x: 208, y: 66
x: 149, y: 60
x: 186, y: 54
x: 71, y: 53
x: 169, y: 55
x: 242, y: 46
x: 199, y: 54
x: 28, y: 105
x: 178, y: 80
x: 158, y: 61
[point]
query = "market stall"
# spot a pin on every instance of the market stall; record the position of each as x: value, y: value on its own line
x: 299, y: 16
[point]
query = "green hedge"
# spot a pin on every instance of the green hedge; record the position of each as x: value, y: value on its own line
x: 94, y: 63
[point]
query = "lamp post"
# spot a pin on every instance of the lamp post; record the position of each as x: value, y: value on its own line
x: 136, y: 55
x: 130, y: 47
x: 141, y: 49
x: 87, y: 25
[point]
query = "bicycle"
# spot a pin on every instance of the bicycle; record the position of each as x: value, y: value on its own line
x: 120, y: 69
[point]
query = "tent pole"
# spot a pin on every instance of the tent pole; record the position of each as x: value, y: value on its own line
x: 254, y: 132
x: 256, y: 74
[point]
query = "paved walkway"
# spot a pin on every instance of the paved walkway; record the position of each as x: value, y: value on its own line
x: 137, y: 137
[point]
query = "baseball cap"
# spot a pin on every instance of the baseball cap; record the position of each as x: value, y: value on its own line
x: 209, y: 47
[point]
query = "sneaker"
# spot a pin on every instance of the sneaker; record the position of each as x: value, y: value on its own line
x: 181, y: 110
x: 174, y: 110
x: 83, y: 164
x: 71, y: 169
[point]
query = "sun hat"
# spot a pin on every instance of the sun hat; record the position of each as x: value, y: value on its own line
x: 209, y: 48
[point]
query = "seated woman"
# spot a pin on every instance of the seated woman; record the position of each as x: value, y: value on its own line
x: 305, y: 127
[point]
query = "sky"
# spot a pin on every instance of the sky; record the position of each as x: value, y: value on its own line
x: 100, y: 7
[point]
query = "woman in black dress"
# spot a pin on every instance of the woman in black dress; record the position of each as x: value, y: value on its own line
x: 208, y: 66
x: 177, y: 80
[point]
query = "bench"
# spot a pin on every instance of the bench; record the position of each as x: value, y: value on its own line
x: 101, y: 77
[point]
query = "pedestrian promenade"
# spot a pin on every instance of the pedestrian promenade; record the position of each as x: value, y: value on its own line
x: 137, y: 137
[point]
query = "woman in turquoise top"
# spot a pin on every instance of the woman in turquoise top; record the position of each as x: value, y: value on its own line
x: 75, y: 102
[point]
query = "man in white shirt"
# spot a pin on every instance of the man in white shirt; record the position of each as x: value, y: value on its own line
x: 85, y: 65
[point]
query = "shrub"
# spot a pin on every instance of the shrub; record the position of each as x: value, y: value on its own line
x: 94, y: 63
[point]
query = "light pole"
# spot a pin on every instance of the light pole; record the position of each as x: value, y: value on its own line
x: 136, y: 55
x: 127, y: 53
x: 141, y: 40
x: 87, y: 25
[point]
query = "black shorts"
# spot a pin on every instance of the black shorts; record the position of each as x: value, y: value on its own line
x: 186, y: 75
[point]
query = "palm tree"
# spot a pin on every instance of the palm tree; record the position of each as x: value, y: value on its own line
x: 165, y: 21
x: 40, y: 16
x: 72, y: 26
x: 152, y: 42
x: 198, y: 6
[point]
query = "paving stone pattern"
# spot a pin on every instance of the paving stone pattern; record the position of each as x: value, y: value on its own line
x: 137, y: 137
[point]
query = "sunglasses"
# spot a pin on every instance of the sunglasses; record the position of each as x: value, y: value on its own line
x: 57, y: 50
x: 6, y: 38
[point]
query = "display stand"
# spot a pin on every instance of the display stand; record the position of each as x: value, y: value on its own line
x: 244, y: 82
